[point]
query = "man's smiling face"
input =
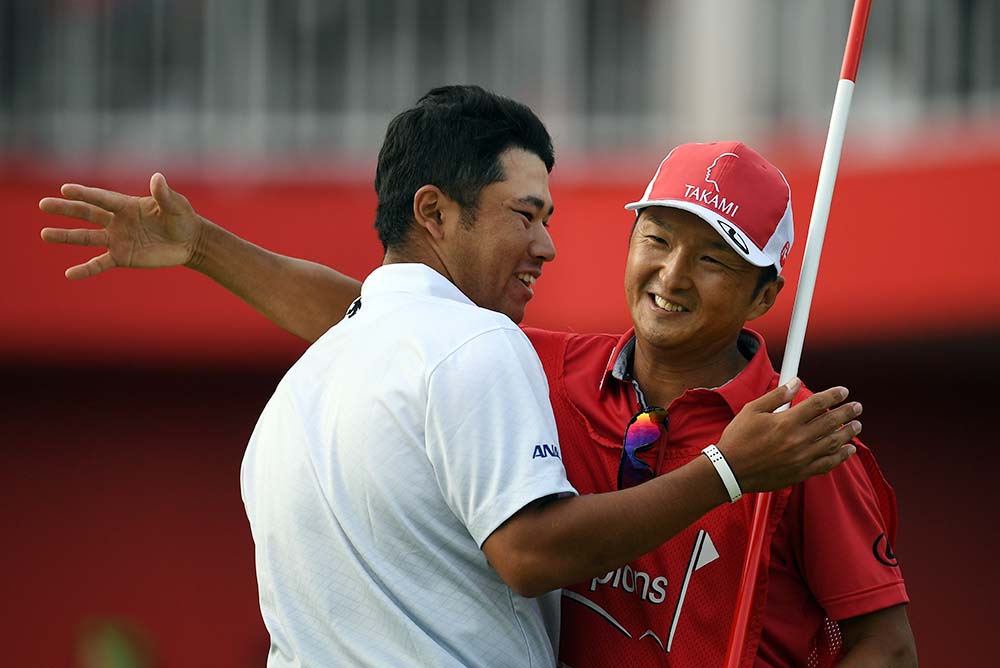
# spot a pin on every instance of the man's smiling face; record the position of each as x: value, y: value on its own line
x: 686, y: 288
x: 498, y: 255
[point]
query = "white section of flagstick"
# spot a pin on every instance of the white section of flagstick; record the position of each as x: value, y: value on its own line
x: 817, y: 232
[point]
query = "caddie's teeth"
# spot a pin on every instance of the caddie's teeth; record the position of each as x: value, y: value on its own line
x: 527, y: 279
x: 667, y: 306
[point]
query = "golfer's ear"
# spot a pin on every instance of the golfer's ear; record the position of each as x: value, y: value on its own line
x: 433, y: 211
x: 766, y: 298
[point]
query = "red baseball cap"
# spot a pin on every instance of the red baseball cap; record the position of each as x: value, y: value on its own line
x: 734, y: 189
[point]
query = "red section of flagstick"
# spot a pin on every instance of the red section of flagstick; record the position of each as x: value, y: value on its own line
x: 744, y: 598
x: 855, y: 39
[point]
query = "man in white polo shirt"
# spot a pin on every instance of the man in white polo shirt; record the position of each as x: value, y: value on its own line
x: 407, y: 434
x: 404, y: 485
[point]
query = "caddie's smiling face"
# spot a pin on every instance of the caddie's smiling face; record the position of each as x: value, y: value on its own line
x: 687, y: 290
x: 496, y: 260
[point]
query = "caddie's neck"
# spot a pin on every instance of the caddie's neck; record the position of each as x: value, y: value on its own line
x: 665, y: 374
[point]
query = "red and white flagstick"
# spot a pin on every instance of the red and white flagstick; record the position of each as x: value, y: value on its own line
x: 800, y: 311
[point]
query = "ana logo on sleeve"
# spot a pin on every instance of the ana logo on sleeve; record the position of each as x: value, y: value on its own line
x: 543, y: 450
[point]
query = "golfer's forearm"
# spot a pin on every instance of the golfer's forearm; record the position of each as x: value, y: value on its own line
x: 575, y: 539
x: 302, y: 297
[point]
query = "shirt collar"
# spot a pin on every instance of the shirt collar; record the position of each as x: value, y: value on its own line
x: 620, y: 360
x: 755, y: 378
x: 411, y: 278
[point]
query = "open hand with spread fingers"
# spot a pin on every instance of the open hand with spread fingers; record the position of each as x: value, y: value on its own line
x: 159, y: 230
x: 770, y: 450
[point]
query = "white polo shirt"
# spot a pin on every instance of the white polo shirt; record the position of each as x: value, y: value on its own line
x: 388, y: 454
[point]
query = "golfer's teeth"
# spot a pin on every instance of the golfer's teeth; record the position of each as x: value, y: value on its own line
x: 667, y: 306
x: 527, y: 279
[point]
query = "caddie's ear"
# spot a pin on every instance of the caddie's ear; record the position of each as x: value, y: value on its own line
x: 765, y: 299
x: 433, y: 211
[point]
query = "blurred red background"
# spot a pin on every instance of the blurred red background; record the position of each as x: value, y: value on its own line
x: 910, y: 253
x: 129, y: 397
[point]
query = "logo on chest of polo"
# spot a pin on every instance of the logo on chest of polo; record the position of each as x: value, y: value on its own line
x: 650, y: 589
x: 543, y: 450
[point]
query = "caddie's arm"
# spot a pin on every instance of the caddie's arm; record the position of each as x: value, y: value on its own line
x: 882, y: 639
x: 163, y: 230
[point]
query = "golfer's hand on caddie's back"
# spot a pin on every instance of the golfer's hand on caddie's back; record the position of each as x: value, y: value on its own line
x: 769, y: 451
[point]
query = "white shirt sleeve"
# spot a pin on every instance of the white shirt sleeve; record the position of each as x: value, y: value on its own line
x: 490, y: 433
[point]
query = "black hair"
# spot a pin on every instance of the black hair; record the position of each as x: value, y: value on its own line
x: 452, y: 139
x: 768, y: 274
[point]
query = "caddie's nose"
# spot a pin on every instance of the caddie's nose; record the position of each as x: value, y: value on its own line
x: 675, y: 271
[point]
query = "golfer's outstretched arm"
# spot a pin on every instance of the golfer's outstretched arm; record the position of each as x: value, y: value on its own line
x: 302, y: 297
x: 552, y: 544
x: 163, y: 230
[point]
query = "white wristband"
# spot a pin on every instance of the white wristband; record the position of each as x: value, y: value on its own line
x: 722, y: 468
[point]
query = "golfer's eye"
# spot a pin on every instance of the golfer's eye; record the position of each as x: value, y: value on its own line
x: 656, y: 239
x: 525, y: 215
x: 709, y: 258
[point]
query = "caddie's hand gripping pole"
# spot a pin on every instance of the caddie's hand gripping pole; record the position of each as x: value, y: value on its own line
x: 800, y: 311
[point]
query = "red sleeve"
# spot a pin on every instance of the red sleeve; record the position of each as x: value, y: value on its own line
x: 543, y: 339
x: 848, y: 520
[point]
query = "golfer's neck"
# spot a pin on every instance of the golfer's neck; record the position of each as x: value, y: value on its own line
x: 417, y: 252
x: 665, y: 374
